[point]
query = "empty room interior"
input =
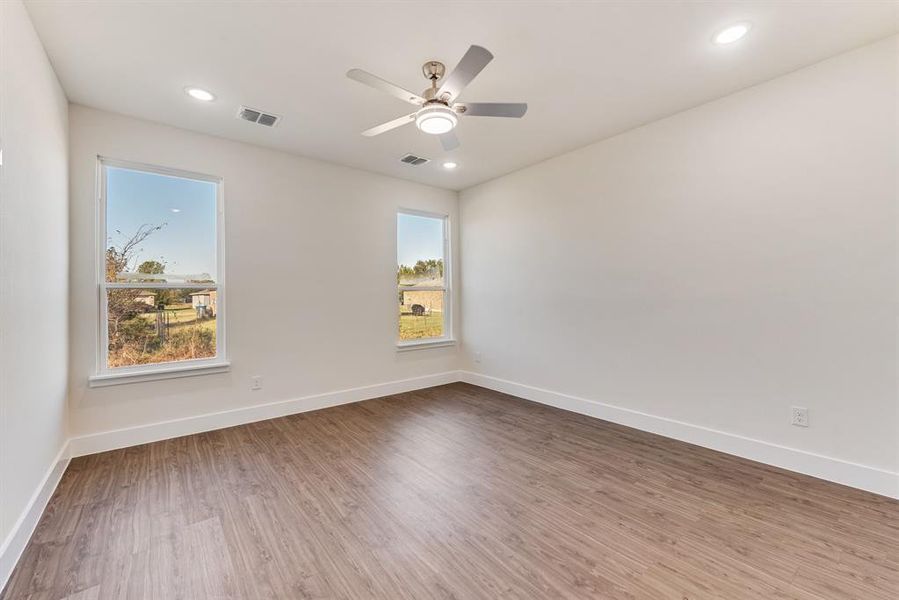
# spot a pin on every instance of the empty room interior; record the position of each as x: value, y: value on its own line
x: 449, y: 300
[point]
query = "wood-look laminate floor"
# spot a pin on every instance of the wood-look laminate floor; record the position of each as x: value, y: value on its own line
x: 451, y: 492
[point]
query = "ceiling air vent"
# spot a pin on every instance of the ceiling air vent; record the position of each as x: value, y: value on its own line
x: 411, y: 159
x: 257, y: 116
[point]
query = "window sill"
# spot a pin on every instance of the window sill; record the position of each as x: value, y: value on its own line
x: 407, y: 346
x: 107, y: 379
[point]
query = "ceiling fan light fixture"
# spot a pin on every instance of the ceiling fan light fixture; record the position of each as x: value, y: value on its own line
x: 436, y: 120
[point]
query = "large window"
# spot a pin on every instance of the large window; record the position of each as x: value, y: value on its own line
x: 422, y: 277
x: 160, y: 263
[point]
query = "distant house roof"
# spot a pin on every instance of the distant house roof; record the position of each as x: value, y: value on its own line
x: 146, y: 295
x: 422, y: 283
x: 201, y: 293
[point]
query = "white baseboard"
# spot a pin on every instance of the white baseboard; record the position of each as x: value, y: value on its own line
x: 15, y: 542
x: 854, y: 475
x: 154, y: 432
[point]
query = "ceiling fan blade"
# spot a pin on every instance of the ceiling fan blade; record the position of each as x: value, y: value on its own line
x: 468, y: 68
x: 492, y: 109
x: 449, y: 141
x: 398, y: 122
x: 385, y: 86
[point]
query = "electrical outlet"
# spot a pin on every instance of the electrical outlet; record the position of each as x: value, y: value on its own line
x: 256, y: 382
x: 799, y: 416
x: 477, y: 357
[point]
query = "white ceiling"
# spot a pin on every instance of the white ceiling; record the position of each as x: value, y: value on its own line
x: 587, y: 70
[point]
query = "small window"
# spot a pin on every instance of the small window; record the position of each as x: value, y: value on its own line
x: 422, y: 277
x: 161, y: 294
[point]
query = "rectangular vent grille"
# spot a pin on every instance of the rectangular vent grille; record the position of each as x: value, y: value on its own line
x: 257, y: 116
x: 411, y: 159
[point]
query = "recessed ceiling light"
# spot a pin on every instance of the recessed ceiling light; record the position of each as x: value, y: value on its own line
x: 175, y: 210
x: 199, y: 94
x: 450, y: 165
x: 731, y: 34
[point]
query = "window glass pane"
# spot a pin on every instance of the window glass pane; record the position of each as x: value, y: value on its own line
x: 419, y: 251
x: 149, y: 326
x: 420, y: 276
x: 159, y: 228
x: 421, y: 314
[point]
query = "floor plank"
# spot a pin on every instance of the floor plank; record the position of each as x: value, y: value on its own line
x: 452, y: 492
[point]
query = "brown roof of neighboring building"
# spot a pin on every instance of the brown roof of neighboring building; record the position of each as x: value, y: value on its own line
x: 411, y: 285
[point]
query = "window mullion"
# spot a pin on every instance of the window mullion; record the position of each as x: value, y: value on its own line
x: 121, y: 285
x: 432, y: 288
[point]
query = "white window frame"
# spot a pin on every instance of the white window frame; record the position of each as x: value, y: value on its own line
x: 447, y: 338
x: 106, y: 375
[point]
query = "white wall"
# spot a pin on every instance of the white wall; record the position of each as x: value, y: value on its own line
x: 321, y: 234
x: 714, y: 268
x: 33, y: 274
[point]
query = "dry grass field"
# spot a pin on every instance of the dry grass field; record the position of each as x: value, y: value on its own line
x: 414, y: 327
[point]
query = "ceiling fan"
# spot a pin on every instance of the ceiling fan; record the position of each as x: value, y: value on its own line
x: 438, y: 112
